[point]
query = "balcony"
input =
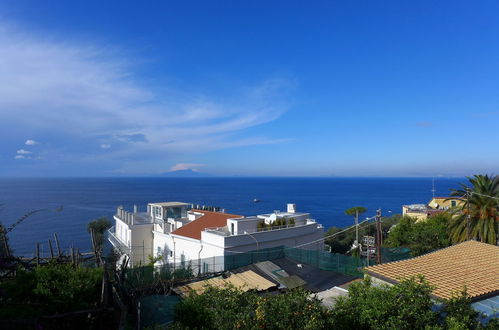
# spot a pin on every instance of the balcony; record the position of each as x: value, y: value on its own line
x: 224, y: 231
x: 116, y: 242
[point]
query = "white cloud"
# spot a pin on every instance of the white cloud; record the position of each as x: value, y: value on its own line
x: 19, y: 157
x: 185, y: 166
x: 31, y: 142
x: 23, y: 152
x: 86, y: 94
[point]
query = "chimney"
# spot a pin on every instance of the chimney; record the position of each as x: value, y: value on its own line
x: 135, y: 209
x: 291, y: 208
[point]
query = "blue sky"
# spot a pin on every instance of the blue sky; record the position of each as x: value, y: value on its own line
x: 286, y: 88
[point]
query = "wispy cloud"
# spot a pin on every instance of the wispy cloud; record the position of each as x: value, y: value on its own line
x: 23, y: 152
x: 86, y: 94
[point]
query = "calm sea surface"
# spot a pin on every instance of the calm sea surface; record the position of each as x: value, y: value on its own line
x: 87, y: 199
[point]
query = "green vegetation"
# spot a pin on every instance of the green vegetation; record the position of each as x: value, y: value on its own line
x: 230, y: 308
x: 407, y: 305
x: 4, y: 242
x: 356, y: 211
x: 279, y: 222
x: 99, y: 227
x: 342, y: 243
x: 482, y: 208
x: 49, y: 289
x: 423, y: 236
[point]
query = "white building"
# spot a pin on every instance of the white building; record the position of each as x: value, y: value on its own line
x: 180, y: 234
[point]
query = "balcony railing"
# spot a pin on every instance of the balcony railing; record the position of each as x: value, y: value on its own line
x: 116, y: 242
x: 224, y: 231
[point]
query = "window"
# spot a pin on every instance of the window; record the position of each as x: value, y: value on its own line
x: 452, y: 203
x: 175, y: 212
x: 232, y: 228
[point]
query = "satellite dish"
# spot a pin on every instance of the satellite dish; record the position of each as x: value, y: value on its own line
x: 271, y: 218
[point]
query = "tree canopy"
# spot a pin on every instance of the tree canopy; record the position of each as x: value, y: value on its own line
x: 481, y: 204
x: 355, y: 210
x: 407, y: 305
x: 421, y: 236
x: 99, y: 227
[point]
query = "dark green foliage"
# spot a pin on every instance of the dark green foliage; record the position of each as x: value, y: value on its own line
x: 423, y: 236
x: 230, y: 308
x: 4, y: 242
x: 53, y: 288
x: 403, y: 306
x: 407, y: 305
x: 483, y: 210
x: 99, y: 226
x: 342, y: 243
x: 459, y: 313
x: 261, y: 225
x: 356, y: 210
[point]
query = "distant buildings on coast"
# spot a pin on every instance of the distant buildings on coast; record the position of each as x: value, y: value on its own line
x: 435, y: 206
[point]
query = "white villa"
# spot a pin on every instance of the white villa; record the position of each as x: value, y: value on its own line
x: 180, y: 233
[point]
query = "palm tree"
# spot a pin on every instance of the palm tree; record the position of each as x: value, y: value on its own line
x: 482, y: 207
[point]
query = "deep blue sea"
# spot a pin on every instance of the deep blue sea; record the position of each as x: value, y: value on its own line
x: 87, y: 199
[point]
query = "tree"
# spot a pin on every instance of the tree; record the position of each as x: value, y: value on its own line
x: 430, y: 235
x: 421, y: 237
x: 406, y: 305
x: 4, y: 243
x: 52, y: 288
x: 230, y: 308
x: 356, y: 211
x: 403, y: 306
x: 99, y: 227
x: 478, y: 217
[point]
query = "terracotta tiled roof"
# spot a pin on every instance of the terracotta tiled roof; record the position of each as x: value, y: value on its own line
x: 208, y: 220
x: 471, y: 264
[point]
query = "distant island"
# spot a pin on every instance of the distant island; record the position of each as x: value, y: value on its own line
x: 189, y: 173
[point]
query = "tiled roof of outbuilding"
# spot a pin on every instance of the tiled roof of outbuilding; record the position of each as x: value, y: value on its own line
x: 471, y: 264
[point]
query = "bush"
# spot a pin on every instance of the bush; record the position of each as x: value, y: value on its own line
x: 230, y: 308
x: 55, y: 288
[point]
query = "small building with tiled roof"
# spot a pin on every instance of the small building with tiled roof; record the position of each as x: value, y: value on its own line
x: 178, y: 233
x: 470, y: 264
x: 434, y: 206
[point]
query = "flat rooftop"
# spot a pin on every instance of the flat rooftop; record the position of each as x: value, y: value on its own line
x: 169, y: 204
x: 284, y: 214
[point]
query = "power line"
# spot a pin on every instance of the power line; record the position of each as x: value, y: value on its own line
x: 304, y: 244
x: 483, y: 195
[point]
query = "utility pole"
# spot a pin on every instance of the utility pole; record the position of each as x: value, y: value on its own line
x: 379, y: 236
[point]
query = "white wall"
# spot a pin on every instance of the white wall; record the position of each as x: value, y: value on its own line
x: 141, y: 243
